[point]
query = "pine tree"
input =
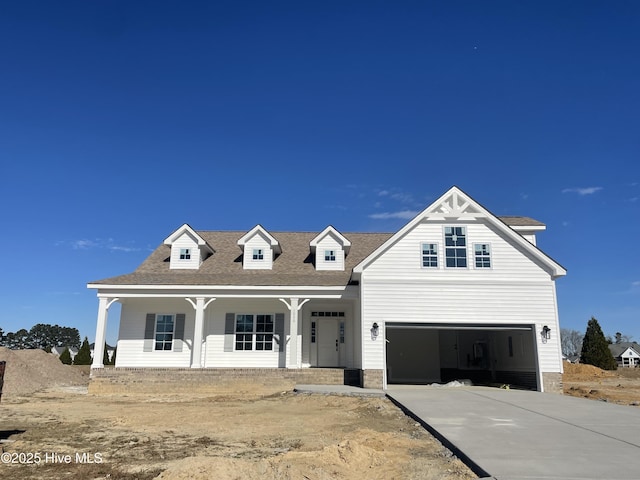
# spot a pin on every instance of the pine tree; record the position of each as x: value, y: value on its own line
x: 105, y: 356
x: 595, y: 349
x: 65, y: 356
x: 83, y: 357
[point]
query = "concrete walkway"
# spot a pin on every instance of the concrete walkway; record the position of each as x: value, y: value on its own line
x: 344, y: 390
x: 512, y: 434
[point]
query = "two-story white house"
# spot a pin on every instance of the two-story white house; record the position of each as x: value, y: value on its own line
x: 456, y: 293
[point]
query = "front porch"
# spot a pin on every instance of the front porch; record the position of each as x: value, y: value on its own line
x: 215, y: 381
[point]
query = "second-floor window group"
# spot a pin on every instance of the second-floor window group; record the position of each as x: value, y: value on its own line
x: 455, y: 251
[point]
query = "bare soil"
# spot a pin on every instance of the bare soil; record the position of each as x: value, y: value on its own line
x: 620, y: 386
x: 283, y: 436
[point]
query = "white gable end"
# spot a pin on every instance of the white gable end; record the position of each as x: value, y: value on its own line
x: 329, y: 254
x: 330, y: 248
x: 258, y: 254
x: 455, y: 208
x: 415, y: 277
x: 185, y: 253
x: 259, y: 249
x: 188, y: 249
x: 508, y: 261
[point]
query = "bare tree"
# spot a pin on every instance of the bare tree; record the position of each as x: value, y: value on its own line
x: 571, y: 341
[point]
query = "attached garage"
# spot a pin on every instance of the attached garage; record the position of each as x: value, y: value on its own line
x: 439, y: 353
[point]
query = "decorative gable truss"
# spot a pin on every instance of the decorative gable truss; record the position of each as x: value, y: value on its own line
x: 188, y: 249
x: 259, y: 249
x: 457, y: 207
x: 330, y: 249
x: 454, y: 204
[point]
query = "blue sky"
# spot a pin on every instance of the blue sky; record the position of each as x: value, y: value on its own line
x: 120, y: 121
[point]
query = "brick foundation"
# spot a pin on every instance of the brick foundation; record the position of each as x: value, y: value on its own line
x: 552, y: 382
x: 210, y: 381
x: 372, y: 378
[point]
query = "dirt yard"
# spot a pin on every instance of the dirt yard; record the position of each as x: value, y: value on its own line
x: 63, y: 432
x: 620, y: 386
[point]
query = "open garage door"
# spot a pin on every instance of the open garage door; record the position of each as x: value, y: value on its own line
x: 484, y: 354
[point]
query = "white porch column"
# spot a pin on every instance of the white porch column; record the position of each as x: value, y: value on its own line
x: 196, y: 350
x: 101, y: 330
x: 294, y: 359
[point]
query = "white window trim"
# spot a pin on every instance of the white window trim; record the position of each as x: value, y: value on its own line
x: 429, y: 267
x: 256, y: 255
x: 444, y: 247
x: 185, y: 254
x: 254, y: 333
x: 490, y: 267
x: 155, y: 331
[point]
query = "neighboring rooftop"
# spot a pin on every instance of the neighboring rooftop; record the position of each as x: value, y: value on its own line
x: 618, y: 349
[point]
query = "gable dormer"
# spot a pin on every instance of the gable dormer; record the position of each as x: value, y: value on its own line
x: 188, y: 249
x: 259, y: 249
x: 330, y: 248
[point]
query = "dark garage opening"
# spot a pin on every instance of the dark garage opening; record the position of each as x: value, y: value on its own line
x: 485, y: 354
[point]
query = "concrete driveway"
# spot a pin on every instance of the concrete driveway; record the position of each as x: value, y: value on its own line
x: 513, y: 434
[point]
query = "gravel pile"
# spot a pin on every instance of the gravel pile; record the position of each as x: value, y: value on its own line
x: 29, y: 371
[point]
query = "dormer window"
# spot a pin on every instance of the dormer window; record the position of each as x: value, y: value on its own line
x: 330, y: 249
x: 259, y: 249
x: 188, y: 249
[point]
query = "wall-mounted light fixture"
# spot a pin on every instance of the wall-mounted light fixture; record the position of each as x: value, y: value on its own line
x: 375, y: 329
x: 546, y: 333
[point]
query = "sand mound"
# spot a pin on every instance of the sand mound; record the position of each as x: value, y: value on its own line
x: 587, y: 371
x: 29, y: 371
x: 334, y: 461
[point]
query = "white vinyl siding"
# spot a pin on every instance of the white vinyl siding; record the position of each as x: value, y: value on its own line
x: 131, y: 335
x: 184, y: 242
x: 328, y: 243
x: 509, y: 261
x: 450, y: 303
x: 256, y: 244
x: 515, y: 290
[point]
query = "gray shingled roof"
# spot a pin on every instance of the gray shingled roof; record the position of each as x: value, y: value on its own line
x: 514, y: 221
x: 294, y: 266
x: 618, y: 349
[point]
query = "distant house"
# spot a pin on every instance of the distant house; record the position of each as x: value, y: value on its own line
x: 627, y: 354
x: 58, y: 351
x: 110, y: 350
x: 571, y: 358
x: 456, y: 293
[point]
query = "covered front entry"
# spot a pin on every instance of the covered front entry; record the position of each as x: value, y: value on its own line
x: 328, y: 342
x: 484, y: 354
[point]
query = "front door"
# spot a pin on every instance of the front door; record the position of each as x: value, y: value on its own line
x: 328, y: 346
